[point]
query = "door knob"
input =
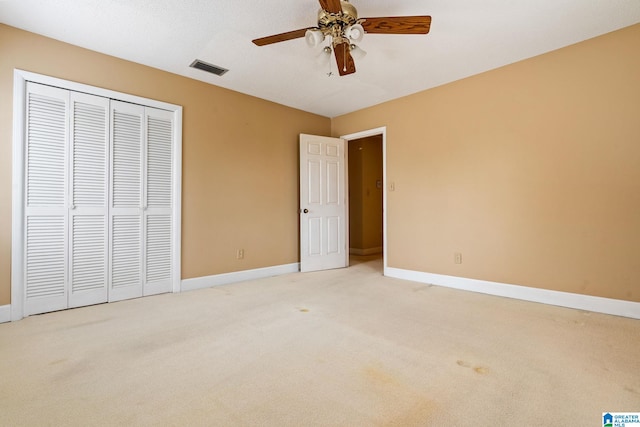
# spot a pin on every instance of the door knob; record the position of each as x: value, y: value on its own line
x: 306, y: 211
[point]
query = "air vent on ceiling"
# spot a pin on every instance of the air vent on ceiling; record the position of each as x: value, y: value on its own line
x: 209, y: 68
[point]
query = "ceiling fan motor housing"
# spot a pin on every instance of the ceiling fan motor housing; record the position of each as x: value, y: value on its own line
x: 333, y: 24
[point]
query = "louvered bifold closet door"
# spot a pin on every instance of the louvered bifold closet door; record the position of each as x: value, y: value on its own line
x: 89, y: 153
x: 46, y: 207
x: 125, y: 214
x: 158, y: 197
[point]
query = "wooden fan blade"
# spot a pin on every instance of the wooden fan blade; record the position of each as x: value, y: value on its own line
x: 331, y: 6
x: 345, y: 62
x: 276, y: 38
x: 398, y: 25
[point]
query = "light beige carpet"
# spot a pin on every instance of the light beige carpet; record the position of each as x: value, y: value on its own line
x: 338, y: 348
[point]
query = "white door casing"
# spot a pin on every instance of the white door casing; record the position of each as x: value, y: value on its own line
x: 364, y: 134
x: 323, y: 203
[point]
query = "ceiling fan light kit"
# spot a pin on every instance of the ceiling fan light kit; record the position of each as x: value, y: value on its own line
x: 339, y: 20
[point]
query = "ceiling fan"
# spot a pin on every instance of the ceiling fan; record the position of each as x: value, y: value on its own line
x: 339, y: 20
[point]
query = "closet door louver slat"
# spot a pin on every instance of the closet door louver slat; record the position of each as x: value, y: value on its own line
x: 46, y: 150
x: 158, y: 261
x: 159, y: 161
x: 127, y: 135
x: 46, y: 261
x: 90, y: 144
x: 126, y: 244
x: 88, y: 252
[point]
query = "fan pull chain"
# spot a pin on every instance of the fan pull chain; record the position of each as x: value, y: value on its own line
x: 344, y: 51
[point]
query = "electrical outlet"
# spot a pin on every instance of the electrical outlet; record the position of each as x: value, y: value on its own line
x: 457, y: 258
x: 240, y: 254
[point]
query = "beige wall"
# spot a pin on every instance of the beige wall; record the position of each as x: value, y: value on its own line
x: 355, y: 197
x: 365, y: 199
x: 532, y: 171
x: 240, y: 156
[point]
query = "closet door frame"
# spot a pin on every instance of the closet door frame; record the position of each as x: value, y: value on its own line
x: 20, y: 80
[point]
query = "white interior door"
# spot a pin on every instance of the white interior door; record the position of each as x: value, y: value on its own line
x: 323, y: 203
x: 88, y: 189
x: 46, y: 199
x: 158, y: 197
x: 127, y: 146
x: 141, y: 201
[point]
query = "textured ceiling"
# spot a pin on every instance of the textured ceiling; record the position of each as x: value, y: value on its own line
x: 467, y: 37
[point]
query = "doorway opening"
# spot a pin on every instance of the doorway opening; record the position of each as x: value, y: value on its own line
x: 366, y: 171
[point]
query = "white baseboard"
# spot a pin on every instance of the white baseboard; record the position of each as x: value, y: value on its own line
x: 5, y: 313
x: 545, y: 296
x: 367, y: 251
x: 238, y: 276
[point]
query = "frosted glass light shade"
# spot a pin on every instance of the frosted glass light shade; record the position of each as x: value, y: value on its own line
x: 314, y: 37
x: 324, y: 56
x: 354, y: 32
x: 357, y: 52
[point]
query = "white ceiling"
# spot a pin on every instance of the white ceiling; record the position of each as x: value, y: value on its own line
x: 467, y: 37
